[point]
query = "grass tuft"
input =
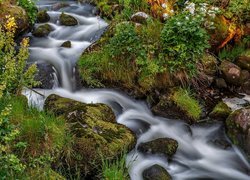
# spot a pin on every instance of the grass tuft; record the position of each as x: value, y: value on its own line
x: 184, y: 100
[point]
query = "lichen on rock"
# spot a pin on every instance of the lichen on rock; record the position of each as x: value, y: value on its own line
x: 95, y: 129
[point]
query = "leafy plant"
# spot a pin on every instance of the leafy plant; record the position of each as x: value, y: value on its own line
x: 240, y: 9
x: 30, y: 7
x: 14, y: 74
x: 184, y: 41
x: 232, y: 53
x: 10, y: 164
x: 125, y: 42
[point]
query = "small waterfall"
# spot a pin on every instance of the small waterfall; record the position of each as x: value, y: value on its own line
x: 197, y: 157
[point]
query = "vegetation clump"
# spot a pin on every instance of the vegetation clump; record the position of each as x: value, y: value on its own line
x: 184, y: 100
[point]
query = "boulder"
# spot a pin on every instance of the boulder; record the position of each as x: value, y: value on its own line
x: 66, y: 44
x: 140, y: 17
x: 42, y: 31
x: 220, y: 111
x: 43, y: 16
x: 220, y: 83
x: 243, y: 60
x: 20, y: 15
x: 166, y: 108
x: 156, y: 172
x: 96, y: 132
x: 161, y: 146
x: 45, y: 76
x: 67, y: 20
x: 238, y: 128
x: 246, y: 87
x: 231, y: 72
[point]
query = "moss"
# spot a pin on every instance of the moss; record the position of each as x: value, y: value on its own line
x: 96, y: 131
x: 165, y: 146
x: 187, y: 103
x: 67, y: 20
x: 221, y: 110
x: 156, y: 172
x: 43, y: 16
x: 66, y: 44
x: 42, y: 30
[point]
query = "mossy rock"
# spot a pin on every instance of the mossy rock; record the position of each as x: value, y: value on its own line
x: 156, y: 172
x: 161, y: 146
x: 238, y: 128
x: 43, y: 16
x: 209, y: 63
x: 20, y: 15
x: 96, y: 132
x: 66, y: 44
x: 220, y: 111
x: 42, y: 31
x: 67, y: 20
x: 187, y: 103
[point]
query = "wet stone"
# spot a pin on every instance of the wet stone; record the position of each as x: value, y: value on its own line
x: 156, y: 172
x: 67, y: 20
x: 161, y: 146
x: 66, y: 44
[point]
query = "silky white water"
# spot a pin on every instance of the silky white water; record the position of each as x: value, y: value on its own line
x: 197, y: 157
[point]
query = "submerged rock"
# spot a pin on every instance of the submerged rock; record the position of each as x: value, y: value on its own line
x: 238, y: 128
x: 156, y: 172
x: 42, y: 30
x: 220, y: 111
x: 66, y: 44
x: 67, y: 20
x: 43, y: 16
x: 231, y: 72
x: 97, y: 134
x: 60, y: 5
x: 165, y: 146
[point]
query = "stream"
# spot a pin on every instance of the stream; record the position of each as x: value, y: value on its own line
x: 197, y: 157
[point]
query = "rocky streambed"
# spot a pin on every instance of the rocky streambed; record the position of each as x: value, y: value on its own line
x: 107, y: 121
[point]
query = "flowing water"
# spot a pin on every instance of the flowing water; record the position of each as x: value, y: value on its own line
x: 198, y: 155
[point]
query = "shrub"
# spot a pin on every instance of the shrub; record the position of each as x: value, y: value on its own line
x: 30, y: 7
x: 185, y: 41
x: 14, y: 74
x: 10, y: 164
x: 187, y: 103
x: 240, y: 9
x: 125, y: 42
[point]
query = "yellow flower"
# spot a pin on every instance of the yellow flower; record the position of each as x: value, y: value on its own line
x: 10, y: 25
x: 25, y: 42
